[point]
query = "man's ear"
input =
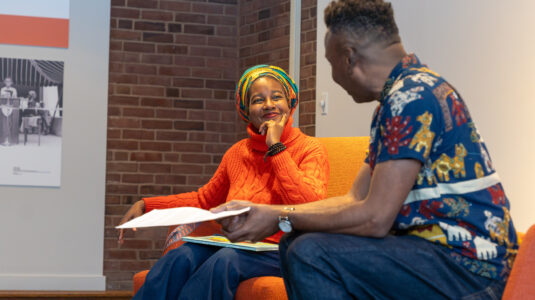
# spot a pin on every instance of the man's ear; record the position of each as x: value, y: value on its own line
x: 350, y: 57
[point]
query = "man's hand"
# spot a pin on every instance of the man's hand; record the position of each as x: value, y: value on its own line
x: 255, y: 225
x: 273, y: 130
x: 136, y: 210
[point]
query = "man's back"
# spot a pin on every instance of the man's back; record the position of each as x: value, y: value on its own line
x: 457, y: 200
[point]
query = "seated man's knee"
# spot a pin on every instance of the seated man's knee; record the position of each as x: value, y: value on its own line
x: 305, y: 247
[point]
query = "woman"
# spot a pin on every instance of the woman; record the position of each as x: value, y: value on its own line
x: 277, y: 164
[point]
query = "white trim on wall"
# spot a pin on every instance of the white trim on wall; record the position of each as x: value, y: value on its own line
x: 295, y: 48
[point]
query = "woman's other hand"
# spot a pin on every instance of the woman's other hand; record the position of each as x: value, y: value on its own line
x: 136, y: 210
x: 273, y: 130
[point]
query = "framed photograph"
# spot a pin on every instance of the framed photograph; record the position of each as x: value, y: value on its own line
x: 31, y: 113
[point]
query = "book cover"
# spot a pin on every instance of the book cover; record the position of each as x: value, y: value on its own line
x: 221, y: 241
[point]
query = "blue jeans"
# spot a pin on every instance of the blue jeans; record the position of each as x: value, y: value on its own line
x: 337, y: 266
x: 199, y: 272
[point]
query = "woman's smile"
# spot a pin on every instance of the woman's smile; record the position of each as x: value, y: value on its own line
x: 270, y: 115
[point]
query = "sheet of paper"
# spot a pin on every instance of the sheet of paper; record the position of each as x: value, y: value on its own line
x: 178, y: 216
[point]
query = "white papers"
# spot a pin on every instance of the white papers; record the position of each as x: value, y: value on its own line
x: 178, y: 216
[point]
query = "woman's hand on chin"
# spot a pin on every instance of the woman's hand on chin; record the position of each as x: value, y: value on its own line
x: 273, y: 130
x: 136, y: 210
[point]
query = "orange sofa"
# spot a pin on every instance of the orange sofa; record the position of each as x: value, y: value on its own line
x: 346, y: 155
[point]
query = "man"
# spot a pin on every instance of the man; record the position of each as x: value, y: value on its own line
x: 8, y: 91
x: 427, y: 217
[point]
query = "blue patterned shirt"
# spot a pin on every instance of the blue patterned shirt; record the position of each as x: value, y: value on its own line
x: 457, y: 200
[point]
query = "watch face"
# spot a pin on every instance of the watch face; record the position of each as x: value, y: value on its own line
x: 285, y: 226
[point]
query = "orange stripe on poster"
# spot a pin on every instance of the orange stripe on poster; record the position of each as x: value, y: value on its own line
x: 34, y: 31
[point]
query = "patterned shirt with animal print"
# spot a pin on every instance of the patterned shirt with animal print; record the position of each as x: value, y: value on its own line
x: 457, y: 200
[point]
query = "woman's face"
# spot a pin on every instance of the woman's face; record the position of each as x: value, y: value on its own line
x: 267, y: 101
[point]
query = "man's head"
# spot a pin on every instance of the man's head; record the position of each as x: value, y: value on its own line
x: 8, y: 81
x: 359, y: 39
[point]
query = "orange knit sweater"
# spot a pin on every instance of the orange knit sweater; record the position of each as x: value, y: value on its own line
x: 297, y: 175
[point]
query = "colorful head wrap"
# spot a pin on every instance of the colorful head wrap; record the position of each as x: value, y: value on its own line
x: 252, y: 74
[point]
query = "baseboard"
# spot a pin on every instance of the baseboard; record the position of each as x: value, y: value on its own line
x: 52, y: 282
x: 60, y: 295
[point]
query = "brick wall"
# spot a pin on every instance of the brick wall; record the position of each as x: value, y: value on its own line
x: 171, y: 113
x: 307, y: 84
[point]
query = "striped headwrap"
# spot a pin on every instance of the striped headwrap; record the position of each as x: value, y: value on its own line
x: 252, y: 74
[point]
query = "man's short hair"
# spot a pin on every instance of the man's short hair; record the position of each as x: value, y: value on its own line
x: 366, y: 20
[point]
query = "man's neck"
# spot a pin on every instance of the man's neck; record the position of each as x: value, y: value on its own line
x: 385, y: 59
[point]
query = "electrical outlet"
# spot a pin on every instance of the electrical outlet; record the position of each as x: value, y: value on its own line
x: 324, y: 103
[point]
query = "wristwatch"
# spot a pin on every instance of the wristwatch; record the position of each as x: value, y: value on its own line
x: 284, y: 222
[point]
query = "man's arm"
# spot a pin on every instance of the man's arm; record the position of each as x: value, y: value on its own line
x: 369, y: 209
x: 372, y: 216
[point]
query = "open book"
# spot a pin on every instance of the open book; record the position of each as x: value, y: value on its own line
x: 221, y: 241
x: 178, y: 216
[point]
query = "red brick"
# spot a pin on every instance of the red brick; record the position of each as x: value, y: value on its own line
x: 208, y: 8
x: 196, y: 93
x: 120, y: 254
x: 195, y: 158
x: 189, y: 61
x: 206, y: 73
x: 157, y: 59
x: 148, y: 90
x: 121, y: 189
x: 121, y: 167
x: 156, y: 124
x: 174, y: 27
x: 140, y: 69
x: 170, y: 179
x: 157, y: 15
x: 122, y: 145
x: 138, y: 112
x: 204, y: 115
x: 137, y: 178
x: 171, y: 136
x: 199, y: 29
x: 124, y: 13
x: 173, y: 49
x: 222, y: 41
x: 186, y: 169
x: 118, y: 2
x: 138, y: 134
x: 157, y: 37
x: 155, y: 168
x: 155, y: 190
x: 125, y: 35
x: 222, y: 20
x: 150, y: 26
x: 160, y: 102
x: 145, y: 156
x: 113, y: 133
x: 197, y: 180
x: 123, y: 123
x: 139, y: 47
x: 155, y: 146
x: 188, y: 125
x: 175, y: 5
x: 171, y: 114
x: 190, y: 39
x: 154, y: 80
x: 220, y: 84
x: 123, y: 78
x: 193, y: 104
x: 174, y: 71
x: 190, y: 18
x: 150, y: 254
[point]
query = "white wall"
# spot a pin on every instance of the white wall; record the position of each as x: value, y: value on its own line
x: 52, y: 238
x: 486, y: 49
